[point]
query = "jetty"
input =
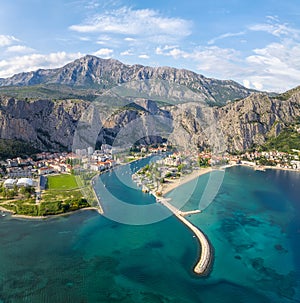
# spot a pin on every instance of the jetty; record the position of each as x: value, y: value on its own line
x: 203, y: 265
x: 191, y: 212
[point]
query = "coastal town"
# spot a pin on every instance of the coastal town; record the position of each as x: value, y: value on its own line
x: 157, y: 176
x: 46, y: 184
x: 27, y: 179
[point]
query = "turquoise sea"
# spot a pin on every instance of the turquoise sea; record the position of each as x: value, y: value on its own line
x: 253, y: 225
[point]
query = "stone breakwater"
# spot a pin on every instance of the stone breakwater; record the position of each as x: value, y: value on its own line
x: 203, y: 265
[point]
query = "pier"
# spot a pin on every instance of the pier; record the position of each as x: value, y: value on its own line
x: 203, y: 264
x: 191, y: 212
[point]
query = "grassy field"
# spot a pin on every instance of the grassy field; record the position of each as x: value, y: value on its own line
x: 62, y: 182
x: 63, y: 195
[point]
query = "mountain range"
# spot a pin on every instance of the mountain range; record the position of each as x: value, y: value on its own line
x: 44, y: 108
x: 96, y: 75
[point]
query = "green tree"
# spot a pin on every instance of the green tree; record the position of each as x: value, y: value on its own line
x: 203, y: 162
x: 180, y: 167
x: 11, y: 194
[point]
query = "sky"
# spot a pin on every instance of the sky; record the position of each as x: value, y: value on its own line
x: 255, y: 42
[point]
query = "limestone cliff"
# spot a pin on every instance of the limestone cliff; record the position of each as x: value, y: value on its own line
x: 50, y: 125
x: 236, y: 126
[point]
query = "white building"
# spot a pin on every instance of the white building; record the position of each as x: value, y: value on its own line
x: 45, y: 170
x: 26, y: 182
x: 9, y: 183
x: 90, y: 150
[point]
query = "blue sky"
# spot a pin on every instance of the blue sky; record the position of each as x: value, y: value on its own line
x: 256, y: 42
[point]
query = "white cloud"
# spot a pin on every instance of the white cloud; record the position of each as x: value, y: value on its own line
x: 105, y: 38
x: 277, y: 65
x: 129, y: 39
x: 224, y: 36
x: 161, y: 50
x: 218, y: 61
x: 275, y: 28
x: 84, y: 39
x: 246, y: 83
x: 104, y: 53
x: 177, y: 53
x: 144, y: 56
x: 127, y: 53
x: 142, y: 22
x: 258, y: 85
x: 6, y: 40
x: 33, y: 62
x: 19, y: 49
x: 92, y: 5
x: 255, y: 83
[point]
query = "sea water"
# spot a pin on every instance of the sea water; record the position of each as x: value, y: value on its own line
x: 253, y: 225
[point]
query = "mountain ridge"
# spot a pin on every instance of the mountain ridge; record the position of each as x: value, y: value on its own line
x: 101, y: 74
x: 49, y: 123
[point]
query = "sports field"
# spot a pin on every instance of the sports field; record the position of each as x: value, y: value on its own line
x: 62, y: 182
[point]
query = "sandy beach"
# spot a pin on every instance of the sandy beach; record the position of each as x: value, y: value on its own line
x: 172, y: 184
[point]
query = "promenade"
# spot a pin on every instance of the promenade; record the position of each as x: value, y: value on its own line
x: 203, y: 264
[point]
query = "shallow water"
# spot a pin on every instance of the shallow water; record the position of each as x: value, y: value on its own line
x: 253, y: 225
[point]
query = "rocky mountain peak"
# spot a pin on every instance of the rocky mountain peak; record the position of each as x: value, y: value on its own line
x: 101, y: 74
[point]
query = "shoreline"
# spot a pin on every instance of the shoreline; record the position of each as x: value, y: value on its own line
x: 100, y: 209
x: 263, y: 167
x: 166, y: 189
x: 185, y: 179
x: 17, y: 216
